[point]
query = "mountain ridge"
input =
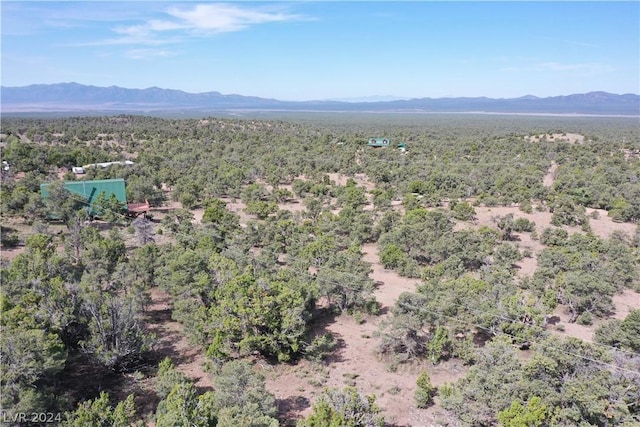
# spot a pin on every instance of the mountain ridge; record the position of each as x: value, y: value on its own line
x: 70, y: 97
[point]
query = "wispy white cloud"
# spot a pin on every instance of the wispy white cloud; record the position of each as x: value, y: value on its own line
x: 220, y: 18
x: 197, y: 21
x: 148, y: 53
x: 25, y: 17
x: 130, y: 37
x: 590, y: 67
x: 179, y: 23
x: 584, y: 68
x: 512, y: 69
x: 581, y: 43
x: 570, y: 42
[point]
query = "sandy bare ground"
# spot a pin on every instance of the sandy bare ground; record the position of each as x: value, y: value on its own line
x: 238, y: 207
x: 22, y: 230
x: 391, y: 283
x: 293, y: 206
x: 570, y: 138
x: 550, y: 176
x: 356, y: 362
x: 10, y: 253
x: 361, y: 180
x: 561, y: 318
x: 629, y: 154
x: 602, y: 227
x: 623, y: 302
x: 485, y: 217
x: 172, y: 341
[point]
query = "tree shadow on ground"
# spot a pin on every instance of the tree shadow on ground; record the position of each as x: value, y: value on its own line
x: 383, y: 311
x: 481, y: 337
x: 322, y: 318
x: 552, y: 320
x: 168, y: 344
x: 289, y: 408
x: 103, y: 225
x: 83, y: 379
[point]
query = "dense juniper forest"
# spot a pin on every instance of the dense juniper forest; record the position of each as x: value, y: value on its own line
x: 288, y: 274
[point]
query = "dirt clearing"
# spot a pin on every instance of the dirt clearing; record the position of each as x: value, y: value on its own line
x: 356, y: 362
x: 172, y: 341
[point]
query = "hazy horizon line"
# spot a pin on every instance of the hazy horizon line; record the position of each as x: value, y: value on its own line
x: 346, y: 99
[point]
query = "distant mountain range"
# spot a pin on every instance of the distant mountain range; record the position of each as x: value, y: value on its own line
x: 77, y: 98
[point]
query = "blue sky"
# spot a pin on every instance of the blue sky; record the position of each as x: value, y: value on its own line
x: 328, y: 49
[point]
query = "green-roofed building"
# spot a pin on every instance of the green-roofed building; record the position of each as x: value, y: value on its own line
x: 90, y: 190
x: 379, y: 142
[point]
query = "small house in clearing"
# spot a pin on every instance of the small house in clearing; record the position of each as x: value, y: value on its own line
x: 385, y: 142
x: 107, y: 164
x: 379, y: 142
x: 91, y: 190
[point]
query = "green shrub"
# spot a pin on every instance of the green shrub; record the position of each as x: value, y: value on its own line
x: 424, y: 390
x: 10, y: 240
x: 585, y: 319
x: 188, y: 200
x: 526, y: 207
x: 462, y: 211
x: 320, y: 347
x: 523, y: 224
x: 392, y: 256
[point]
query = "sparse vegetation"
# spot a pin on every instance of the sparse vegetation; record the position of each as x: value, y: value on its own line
x: 268, y: 255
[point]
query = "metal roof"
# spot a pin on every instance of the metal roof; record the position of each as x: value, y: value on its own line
x: 90, y: 190
x: 379, y: 142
